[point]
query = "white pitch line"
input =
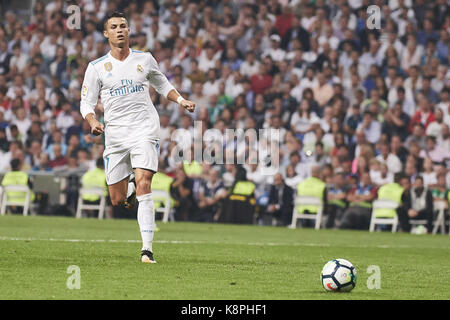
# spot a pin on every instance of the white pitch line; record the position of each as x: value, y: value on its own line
x: 269, y: 244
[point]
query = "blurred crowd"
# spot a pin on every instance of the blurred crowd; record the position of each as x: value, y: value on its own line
x: 360, y: 104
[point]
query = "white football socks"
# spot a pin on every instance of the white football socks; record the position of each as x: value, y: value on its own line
x: 146, y: 220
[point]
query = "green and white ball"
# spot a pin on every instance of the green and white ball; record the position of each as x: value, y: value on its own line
x: 338, y: 275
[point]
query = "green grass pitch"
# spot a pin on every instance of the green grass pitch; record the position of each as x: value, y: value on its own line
x: 211, y: 261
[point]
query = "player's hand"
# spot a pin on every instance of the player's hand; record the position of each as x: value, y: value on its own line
x: 188, y: 105
x: 97, y: 128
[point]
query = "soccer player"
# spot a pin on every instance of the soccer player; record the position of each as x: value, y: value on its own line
x: 122, y: 78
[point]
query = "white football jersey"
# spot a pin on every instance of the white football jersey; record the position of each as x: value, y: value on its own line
x: 123, y: 86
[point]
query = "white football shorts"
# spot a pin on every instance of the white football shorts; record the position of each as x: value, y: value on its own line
x: 120, y: 162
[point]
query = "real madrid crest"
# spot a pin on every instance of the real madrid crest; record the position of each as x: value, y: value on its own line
x: 139, y: 68
x: 108, y: 66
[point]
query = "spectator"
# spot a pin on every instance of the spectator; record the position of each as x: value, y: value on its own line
x: 181, y: 191
x: 392, y: 162
x: 398, y: 149
x: 44, y: 163
x: 281, y: 199
x: 208, y: 58
x: 322, y: 91
x: 441, y: 192
x: 19, y: 59
x: 261, y: 81
x: 56, y: 138
x: 212, y: 192
x: 250, y: 66
x: 275, y: 52
x: 336, y: 200
x: 304, y: 120
x: 396, y: 122
x: 382, y: 176
x: 424, y: 115
x: 292, y: 178
x: 431, y: 95
x: 65, y: 119
x: 416, y: 137
x: 239, y: 206
x: 360, y: 198
x: 436, y: 127
x: 419, y: 206
x: 428, y: 174
x: 371, y: 127
x: 59, y: 161
x: 5, y: 57
x: 17, y: 177
x: 436, y: 153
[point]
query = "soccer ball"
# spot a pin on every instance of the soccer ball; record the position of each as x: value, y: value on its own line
x: 338, y: 275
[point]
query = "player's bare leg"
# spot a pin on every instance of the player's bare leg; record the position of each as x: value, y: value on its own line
x: 118, y: 192
x: 146, y: 214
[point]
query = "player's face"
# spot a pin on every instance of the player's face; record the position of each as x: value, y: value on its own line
x: 117, y: 32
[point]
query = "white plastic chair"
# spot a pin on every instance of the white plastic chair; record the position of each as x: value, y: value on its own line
x: 160, y: 194
x: 83, y: 206
x: 383, y: 204
x: 440, y: 219
x: 16, y: 188
x: 307, y: 201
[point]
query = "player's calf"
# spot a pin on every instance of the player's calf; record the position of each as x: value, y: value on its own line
x: 118, y: 200
x: 118, y: 192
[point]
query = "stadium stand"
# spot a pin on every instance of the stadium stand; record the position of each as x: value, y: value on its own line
x: 346, y: 98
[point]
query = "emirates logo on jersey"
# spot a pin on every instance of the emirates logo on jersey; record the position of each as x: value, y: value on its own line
x: 108, y: 66
x: 139, y: 68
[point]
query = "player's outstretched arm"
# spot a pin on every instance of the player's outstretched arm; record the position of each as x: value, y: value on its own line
x: 176, y: 97
x: 159, y: 81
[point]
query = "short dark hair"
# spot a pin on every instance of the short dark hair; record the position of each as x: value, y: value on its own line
x: 115, y: 14
x: 294, y: 154
x: 15, y: 164
x: 100, y: 163
x: 398, y: 177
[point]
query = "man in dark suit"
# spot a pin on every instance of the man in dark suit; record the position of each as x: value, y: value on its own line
x: 281, y: 200
x: 296, y: 32
x: 417, y: 205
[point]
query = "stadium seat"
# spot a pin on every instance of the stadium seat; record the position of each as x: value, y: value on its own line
x: 439, y: 206
x: 163, y: 197
x: 83, y: 206
x: 383, y: 204
x: 8, y: 202
x: 307, y: 201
